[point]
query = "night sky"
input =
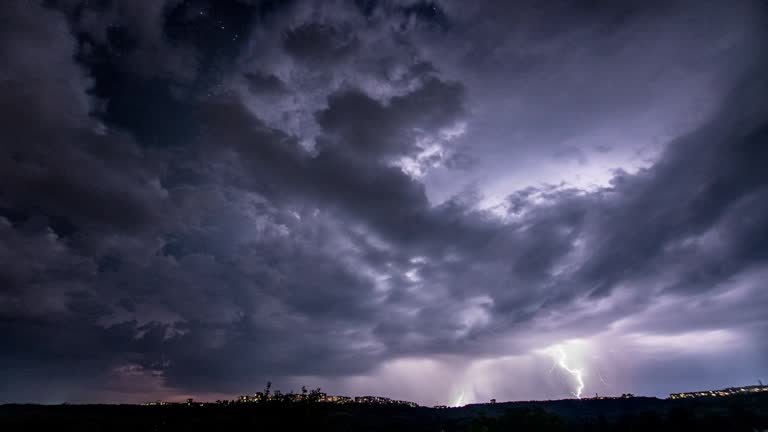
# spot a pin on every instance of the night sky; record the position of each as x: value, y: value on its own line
x: 443, y: 202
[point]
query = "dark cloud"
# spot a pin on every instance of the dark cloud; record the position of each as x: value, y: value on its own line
x: 365, y: 126
x: 318, y: 43
x: 135, y: 34
x: 189, y: 214
x: 261, y: 83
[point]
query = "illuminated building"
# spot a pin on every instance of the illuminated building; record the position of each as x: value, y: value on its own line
x: 730, y: 391
x: 336, y: 399
x: 379, y: 400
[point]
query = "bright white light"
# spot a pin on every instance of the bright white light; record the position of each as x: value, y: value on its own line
x: 459, y: 401
x: 577, y: 374
x: 412, y: 275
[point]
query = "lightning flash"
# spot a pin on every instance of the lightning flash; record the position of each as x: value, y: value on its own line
x: 460, y: 400
x: 577, y: 374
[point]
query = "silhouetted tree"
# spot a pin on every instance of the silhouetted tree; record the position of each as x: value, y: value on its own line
x: 315, y: 395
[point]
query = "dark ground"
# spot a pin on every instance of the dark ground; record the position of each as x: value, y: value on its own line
x: 735, y: 413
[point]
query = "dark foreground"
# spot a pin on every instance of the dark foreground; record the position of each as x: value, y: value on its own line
x: 736, y: 413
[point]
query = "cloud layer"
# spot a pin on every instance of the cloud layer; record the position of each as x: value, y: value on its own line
x: 380, y: 197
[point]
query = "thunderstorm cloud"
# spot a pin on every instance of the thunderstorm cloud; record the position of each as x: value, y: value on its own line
x: 418, y: 199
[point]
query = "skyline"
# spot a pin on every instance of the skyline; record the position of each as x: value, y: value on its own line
x: 318, y: 396
x: 425, y: 200
x: 322, y: 397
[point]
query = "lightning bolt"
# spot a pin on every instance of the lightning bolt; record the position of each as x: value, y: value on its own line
x: 459, y: 400
x: 601, y: 379
x: 576, y: 373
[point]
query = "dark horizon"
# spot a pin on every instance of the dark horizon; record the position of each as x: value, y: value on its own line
x: 434, y: 200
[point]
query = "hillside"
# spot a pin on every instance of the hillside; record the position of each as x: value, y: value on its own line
x: 737, y: 413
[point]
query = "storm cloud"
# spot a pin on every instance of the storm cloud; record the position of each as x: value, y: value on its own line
x: 418, y: 199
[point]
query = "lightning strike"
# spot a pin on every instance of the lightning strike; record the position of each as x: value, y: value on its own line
x: 601, y: 379
x: 460, y: 400
x: 576, y: 373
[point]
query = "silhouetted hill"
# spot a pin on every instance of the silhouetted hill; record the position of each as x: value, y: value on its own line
x: 573, y: 407
x: 738, y: 413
